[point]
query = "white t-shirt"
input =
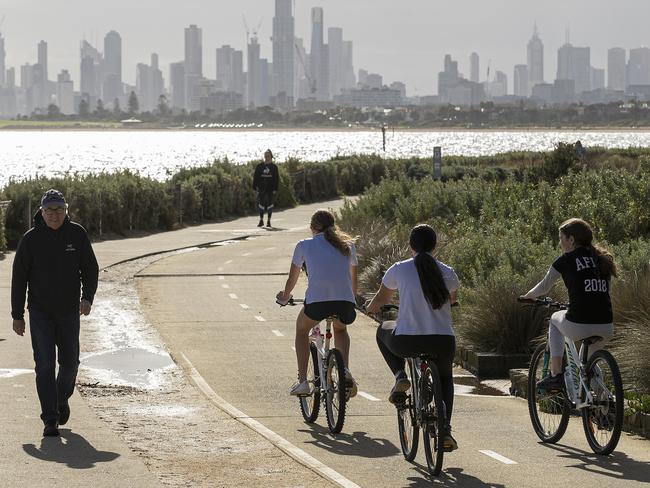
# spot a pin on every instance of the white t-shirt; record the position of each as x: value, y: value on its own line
x: 328, y: 270
x: 416, y: 316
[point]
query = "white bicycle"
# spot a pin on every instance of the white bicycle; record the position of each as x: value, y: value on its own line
x: 326, y: 375
x: 593, y: 387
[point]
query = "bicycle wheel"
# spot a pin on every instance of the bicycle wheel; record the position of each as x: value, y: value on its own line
x: 603, y: 419
x: 310, y: 405
x: 549, y: 412
x: 336, y: 396
x: 433, y: 418
x: 409, y: 432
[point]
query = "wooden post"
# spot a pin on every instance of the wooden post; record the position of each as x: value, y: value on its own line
x: 437, y: 163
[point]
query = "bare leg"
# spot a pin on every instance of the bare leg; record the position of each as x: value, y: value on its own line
x: 342, y: 341
x: 556, y: 365
x: 303, y: 325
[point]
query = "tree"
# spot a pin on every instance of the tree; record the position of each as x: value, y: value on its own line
x: 163, y: 108
x: 100, y: 108
x: 83, y: 108
x: 116, y: 107
x: 53, y: 111
x: 134, y: 105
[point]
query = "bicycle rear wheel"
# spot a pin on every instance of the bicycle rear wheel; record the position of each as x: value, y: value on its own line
x: 549, y: 412
x: 409, y: 432
x: 310, y: 405
x: 336, y: 394
x: 603, y: 420
x: 433, y: 418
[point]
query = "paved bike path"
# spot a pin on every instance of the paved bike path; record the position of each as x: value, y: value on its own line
x: 216, y: 306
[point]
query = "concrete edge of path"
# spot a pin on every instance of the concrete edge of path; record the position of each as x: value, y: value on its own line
x: 278, y: 441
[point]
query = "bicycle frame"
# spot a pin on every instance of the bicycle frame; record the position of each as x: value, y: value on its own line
x: 322, y: 343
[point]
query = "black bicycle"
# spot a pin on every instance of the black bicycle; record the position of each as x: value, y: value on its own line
x: 592, y: 386
x: 421, y: 408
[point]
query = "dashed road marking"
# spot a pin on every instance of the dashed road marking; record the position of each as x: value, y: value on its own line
x: 233, y: 296
x: 222, y: 278
x: 368, y: 396
x: 225, y: 286
x: 260, y: 318
x: 277, y: 333
x: 280, y: 442
x: 246, y: 254
x: 244, y: 306
x: 497, y: 456
x: 269, y: 249
x: 228, y: 262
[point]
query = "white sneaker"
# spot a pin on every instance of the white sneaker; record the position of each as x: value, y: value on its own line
x: 301, y: 389
x: 350, y: 384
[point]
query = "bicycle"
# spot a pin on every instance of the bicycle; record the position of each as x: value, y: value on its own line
x: 326, y: 374
x: 421, y: 408
x: 593, y: 387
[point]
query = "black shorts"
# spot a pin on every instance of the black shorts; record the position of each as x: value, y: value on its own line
x: 265, y: 199
x: 342, y: 310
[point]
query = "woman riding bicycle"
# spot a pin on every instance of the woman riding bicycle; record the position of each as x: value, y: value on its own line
x: 427, y: 288
x: 586, y: 271
x: 331, y: 261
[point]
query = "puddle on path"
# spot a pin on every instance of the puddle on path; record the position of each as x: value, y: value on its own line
x: 133, y: 366
x: 11, y: 373
x: 470, y: 385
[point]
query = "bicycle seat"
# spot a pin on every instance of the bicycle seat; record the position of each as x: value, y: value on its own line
x: 591, y: 340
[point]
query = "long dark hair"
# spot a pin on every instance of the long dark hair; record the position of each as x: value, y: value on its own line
x: 423, y: 242
x: 584, y: 236
x: 323, y: 221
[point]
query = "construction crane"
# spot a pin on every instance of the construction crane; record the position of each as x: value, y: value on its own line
x: 310, y: 80
x: 254, y: 31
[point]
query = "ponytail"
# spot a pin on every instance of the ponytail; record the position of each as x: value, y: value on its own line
x: 423, y: 241
x: 323, y: 221
x: 604, y: 260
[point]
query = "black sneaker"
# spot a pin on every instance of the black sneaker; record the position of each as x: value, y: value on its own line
x: 268, y: 223
x: 449, y: 443
x: 260, y: 223
x: 402, y: 384
x: 551, y: 384
x: 51, y: 429
x: 64, y: 413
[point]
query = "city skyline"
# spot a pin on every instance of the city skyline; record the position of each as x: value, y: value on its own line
x: 414, y: 57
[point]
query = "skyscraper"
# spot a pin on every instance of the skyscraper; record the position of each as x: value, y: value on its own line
x: 448, y: 78
x: 616, y: 69
x: 335, y: 49
x: 112, y: 67
x: 230, y: 69
x: 318, y: 58
x: 149, y: 84
x: 253, y: 72
x: 574, y: 63
x: 473, y: 67
x: 177, y: 85
x: 349, y: 80
x: 65, y: 93
x: 91, y: 61
x: 535, y: 59
x: 42, y: 58
x: 2, y: 61
x: 521, y: 86
x: 193, y: 65
x: 638, y: 67
x: 283, y: 48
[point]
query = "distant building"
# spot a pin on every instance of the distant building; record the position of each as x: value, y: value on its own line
x: 535, y: 59
x: 574, y: 63
x: 521, y: 86
x: 335, y: 51
x: 639, y: 92
x: 616, y: 68
x: 193, y: 65
x: 542, y: 92
x: 319, y: 56
x: 363, y: 78
x: 65, y: 93
x: 283, y: 49
x: 230, y: 69
x: 349, y: 80
x: 499, y: 87
x: 373, y: 80
x: 597, y: 79
x: 369, y: 97
x: 42, y: 58
x: 474, y: 68
x: 638, y: 67
x: 3, y: 66
x: 564, y: 92
x: 177, y: 85
x: 221, y: 102
x: 112, y: 68
x: 448, y: 78
x: 149, y: 84
x: 400, y: 87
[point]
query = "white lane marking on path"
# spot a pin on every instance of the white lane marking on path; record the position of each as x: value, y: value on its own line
x: 277, y: 333
x: 244, y: 306
x: 10, y: 373
x: 246, y: 254
x: 497, y: 456
x: 368, y: 396
x: 280, y: 442
x: 269, y: 249
x: 222, y: 278
x: 233, y: 296
x: 260, y: 318
x: 228, y: 262
x: 225, y: 286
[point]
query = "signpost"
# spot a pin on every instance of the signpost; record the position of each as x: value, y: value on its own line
x: 437, y: 163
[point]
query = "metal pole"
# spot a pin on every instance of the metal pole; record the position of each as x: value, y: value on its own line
x: 383, y: 135
x: 100, y: 213
x: 437, y: 163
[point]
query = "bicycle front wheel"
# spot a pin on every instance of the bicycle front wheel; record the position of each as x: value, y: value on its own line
x: 549, y: 412
x: 336, y: 394
x: 409, y: 432
x: 433, y: 418
x: 603, y: 419
x: 310, y: 405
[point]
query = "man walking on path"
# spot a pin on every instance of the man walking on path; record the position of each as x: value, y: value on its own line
x: 265, y: 183
x: 56, y: 263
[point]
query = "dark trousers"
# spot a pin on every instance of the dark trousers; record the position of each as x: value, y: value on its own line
x: 49, y: 334
x: 442, y: 348
x: 265, y: 203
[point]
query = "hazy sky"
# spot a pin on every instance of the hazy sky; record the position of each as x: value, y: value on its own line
x: 402, y: 40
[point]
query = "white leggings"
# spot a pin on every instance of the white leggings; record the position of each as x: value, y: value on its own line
x: 559, y: 327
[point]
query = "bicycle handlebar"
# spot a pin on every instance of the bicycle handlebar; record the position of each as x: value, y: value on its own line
x: 292, y: 301
x: 544, y: 302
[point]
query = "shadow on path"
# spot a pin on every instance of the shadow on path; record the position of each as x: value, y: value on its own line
x: 618, y: 465
x: 70, y: 449
x: 355, y: 444
x: 449, y: 477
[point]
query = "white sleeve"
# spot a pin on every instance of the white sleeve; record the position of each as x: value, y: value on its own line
x: 353, y: 255
x: 544, y: 286
x: 451, y: 280
x: 390, y: 279
x: 298, y: 255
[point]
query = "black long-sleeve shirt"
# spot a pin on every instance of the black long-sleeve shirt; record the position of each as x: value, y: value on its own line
x: 266, y: 178
x: 59, y: 268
